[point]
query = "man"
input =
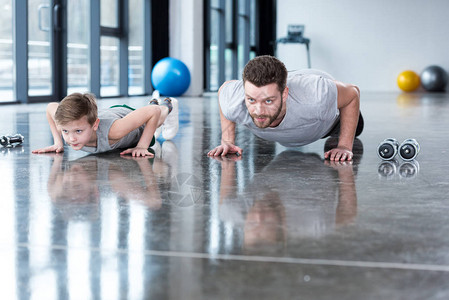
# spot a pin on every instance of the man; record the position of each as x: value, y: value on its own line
x: 293, y: 109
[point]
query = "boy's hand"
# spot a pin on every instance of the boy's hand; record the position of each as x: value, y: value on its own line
x: 136, y: 151
x: 53, y: 148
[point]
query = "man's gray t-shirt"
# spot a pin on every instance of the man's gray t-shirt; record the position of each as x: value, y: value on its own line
x: 107, y: 117
x: 311, y: 108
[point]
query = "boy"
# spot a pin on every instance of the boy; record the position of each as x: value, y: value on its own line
x: 82, y: 127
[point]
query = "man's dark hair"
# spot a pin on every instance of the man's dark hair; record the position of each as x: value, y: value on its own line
x: 265, y: 69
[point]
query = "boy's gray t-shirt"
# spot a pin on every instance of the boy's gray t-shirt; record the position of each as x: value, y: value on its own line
x: 311, y: 108
x: 107, y: 117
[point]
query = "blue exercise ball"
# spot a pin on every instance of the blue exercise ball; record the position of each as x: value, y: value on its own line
x: 434, y: 79
x: 170, y: 77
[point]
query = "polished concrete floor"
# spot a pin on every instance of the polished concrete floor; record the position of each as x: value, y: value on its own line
x: 275, y: 223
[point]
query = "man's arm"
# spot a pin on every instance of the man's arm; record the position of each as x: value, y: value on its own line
x: 348, y: 103
x: 227, y: 134
x: 148, y: 115
x: 58, y: 144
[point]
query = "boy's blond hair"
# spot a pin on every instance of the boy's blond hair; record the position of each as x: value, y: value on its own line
x: 75, y: 106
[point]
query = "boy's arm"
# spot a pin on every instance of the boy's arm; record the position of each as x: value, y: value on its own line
x: 148, y: 115
x: 58, y: 144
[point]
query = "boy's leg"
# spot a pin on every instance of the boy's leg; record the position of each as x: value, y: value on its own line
x: 164, y: 112
x: 171, y: 123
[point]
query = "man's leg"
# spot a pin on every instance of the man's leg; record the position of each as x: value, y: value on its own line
x: 335, y: 131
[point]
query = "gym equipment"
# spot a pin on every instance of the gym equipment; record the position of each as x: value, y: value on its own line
x: 170, y: 77
x: 434, y: 79
x: 408, y: 81
x: 294, y: 35
x: 11, y: 140
x: 388, y: 149
x: 409, y: 149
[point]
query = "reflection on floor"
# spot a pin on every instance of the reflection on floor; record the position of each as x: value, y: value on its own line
x: 275, y: 223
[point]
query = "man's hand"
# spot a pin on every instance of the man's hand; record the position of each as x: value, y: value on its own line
x: 137, y: 151
x: 53, y: 148
x: 339, y: 154
x: 224, y: 149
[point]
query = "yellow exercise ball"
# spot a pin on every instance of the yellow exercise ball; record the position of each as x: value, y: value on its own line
x: 408, y: 81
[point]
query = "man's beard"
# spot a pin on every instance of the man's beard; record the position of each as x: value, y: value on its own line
x: 271, y: 119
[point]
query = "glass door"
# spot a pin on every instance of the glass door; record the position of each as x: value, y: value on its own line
x: 6, y: 51
x: 77, y: 46
x: 111, y: 32
x: 46, y: 76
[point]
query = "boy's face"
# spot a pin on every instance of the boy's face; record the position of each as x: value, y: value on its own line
x: 79, y: 133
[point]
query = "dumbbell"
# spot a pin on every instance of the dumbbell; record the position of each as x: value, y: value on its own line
x: 11, y: 140
x: 409, y: 149
x: 388, y: 149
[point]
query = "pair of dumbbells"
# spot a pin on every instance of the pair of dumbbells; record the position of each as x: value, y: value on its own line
x: 389, y: 148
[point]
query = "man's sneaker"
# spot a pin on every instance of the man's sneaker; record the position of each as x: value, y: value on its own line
x: 171, y: 124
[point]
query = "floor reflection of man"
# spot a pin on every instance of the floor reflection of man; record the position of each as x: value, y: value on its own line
x: 297, y: 195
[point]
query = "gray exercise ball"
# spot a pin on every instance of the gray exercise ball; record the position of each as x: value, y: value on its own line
x: 434, y: 79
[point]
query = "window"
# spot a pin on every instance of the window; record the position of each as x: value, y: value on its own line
x: 230, y: 39
x: 136, y: 61
x: 109, y: 66
x: 40, y: 81
x: 6, y: 51
x: 111, y: 32
x: 106, y: 48
x: 77, y: 46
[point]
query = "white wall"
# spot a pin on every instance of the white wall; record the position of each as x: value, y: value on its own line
x: 367, y: 43
x: 186, y: 39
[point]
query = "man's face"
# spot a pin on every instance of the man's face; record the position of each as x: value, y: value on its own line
x: 78, y: 133
x: 265, y: 104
